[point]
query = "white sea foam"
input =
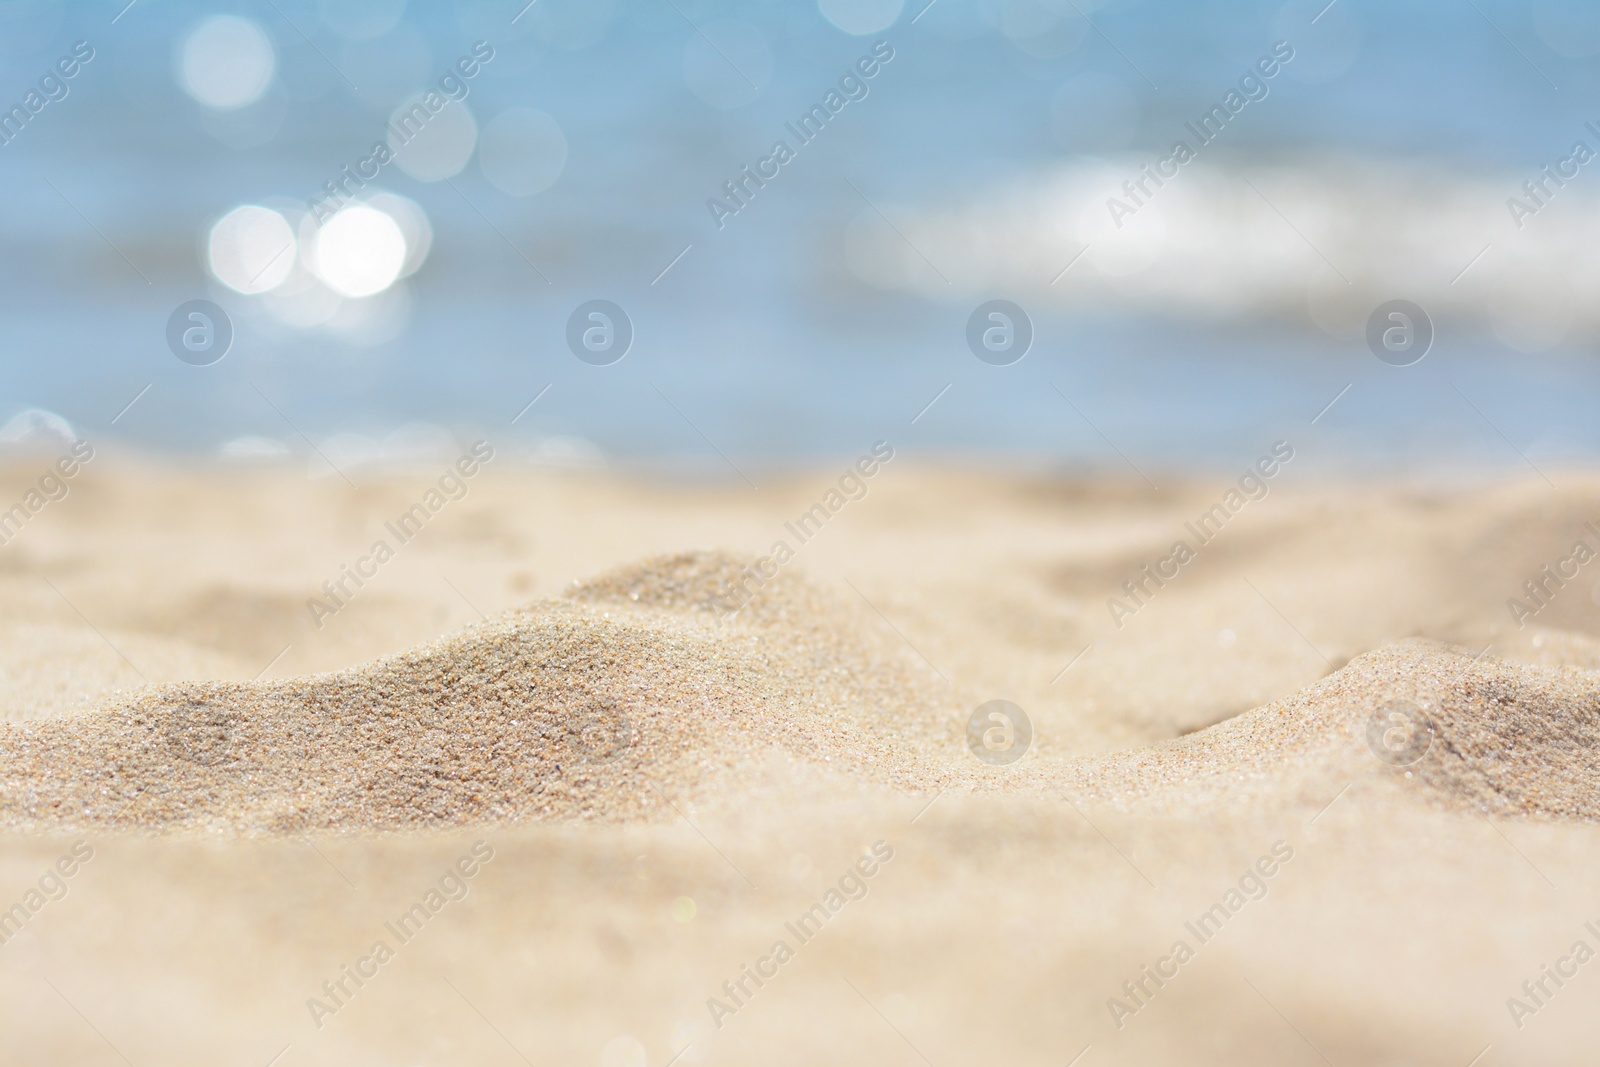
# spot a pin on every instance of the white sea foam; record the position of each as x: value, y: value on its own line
x: 1320, y: 241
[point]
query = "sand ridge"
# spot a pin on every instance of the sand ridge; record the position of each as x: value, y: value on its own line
x: 634, y: 694
x: 1473, y: 732
x: 617, y: 700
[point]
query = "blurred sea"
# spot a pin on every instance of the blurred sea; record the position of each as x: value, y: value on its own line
x: 832, y: 307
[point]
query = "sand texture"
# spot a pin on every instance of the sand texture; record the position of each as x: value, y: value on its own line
x: 1324, y: 758
x: 628, y: 695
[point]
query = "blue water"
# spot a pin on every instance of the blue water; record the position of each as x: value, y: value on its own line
x: 770, y: 348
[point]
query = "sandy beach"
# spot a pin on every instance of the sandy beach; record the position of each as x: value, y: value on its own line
x: 899, y: 533
x: 540, y: 789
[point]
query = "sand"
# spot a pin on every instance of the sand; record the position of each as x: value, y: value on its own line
x: 665, y: 788
x: 626, y: 698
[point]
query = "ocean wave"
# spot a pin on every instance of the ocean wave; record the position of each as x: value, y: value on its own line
x: 1314, y: 241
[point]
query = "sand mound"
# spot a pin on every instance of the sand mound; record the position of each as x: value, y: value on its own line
x: 1463, y: 731
x: 623, y: 698
x: 634, y: 694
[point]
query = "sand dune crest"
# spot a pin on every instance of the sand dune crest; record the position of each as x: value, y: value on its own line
x: 614, y: 702
x: 1434, y: 720
x: 635, y: 693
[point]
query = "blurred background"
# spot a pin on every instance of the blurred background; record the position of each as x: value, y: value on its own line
x: 186, y: 156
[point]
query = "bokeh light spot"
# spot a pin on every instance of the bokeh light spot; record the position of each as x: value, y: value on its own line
x: 359, y: 252
x: 522, y: 152
x: 861, y: 16
x: 251, y: 249
x: 226, y: 63
x: 414, y: 226
x: 432, y: 145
